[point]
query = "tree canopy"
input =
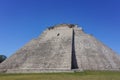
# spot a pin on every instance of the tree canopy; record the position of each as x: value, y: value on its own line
x: 2, y: 58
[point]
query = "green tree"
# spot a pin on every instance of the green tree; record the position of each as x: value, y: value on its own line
x: 2, y: 58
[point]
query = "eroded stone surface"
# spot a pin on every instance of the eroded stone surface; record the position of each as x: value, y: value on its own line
x: 62, y: 48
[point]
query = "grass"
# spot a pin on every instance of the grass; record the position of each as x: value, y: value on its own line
x: 87, y: 75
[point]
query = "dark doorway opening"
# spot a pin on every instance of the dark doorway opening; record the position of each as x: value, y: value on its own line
x: 58, y: 34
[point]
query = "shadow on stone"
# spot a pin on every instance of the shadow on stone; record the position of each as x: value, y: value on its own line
x: 74, y: 64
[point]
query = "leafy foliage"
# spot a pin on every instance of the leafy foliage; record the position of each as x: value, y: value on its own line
x: 2, y: 58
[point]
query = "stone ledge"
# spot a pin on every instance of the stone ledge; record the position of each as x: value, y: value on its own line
x: 40, y: 70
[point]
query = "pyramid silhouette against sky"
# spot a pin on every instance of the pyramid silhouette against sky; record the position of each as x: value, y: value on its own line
x: 62, y: 48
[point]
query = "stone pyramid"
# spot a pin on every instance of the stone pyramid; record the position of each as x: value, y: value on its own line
x: 62, y: 48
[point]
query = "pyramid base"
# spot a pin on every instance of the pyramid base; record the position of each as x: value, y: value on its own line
x: 39, y: 70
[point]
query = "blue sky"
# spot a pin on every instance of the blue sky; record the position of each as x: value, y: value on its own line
x: 23, y: 20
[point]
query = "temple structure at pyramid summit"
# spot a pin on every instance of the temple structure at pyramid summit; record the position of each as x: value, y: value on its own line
x: 62, y: 48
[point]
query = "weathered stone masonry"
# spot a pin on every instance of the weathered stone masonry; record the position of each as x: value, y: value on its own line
x: 62, y: 48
